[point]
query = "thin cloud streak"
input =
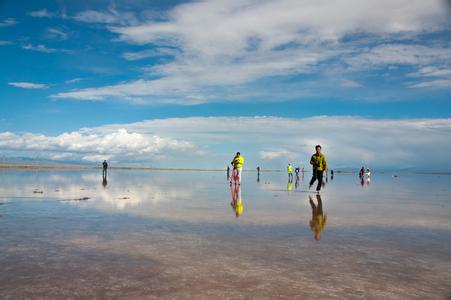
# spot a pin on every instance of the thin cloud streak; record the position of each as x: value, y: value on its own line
x: 28, y: 85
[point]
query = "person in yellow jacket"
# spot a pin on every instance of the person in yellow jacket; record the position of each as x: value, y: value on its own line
x: 318, y: 161
x: 319, y: 219
x: 290, y: 172
x: 237, y: 163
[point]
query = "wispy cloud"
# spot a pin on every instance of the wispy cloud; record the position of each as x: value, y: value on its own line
x: 3, y: 43
x: 432, y: 77
x: 28, y: 85
x: 150, y: 53
x: 74, y: 80
x: 42, y: 13
x: 56, y: 33
x: 8, y: 22
x: 438, y: 83
x: 280, y: 154
x: 111, y: 16
x: 232, y: 44
x: 39, y: 48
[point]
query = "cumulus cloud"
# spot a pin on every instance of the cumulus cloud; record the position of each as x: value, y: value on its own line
x: 28, y: 85
x: 117, y: 145
x: 232, y: 44
x: 270, y: 142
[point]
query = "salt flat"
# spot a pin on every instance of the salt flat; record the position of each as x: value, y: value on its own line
x: 148, y: 234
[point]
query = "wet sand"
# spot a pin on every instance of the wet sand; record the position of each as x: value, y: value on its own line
x: 146, y: 234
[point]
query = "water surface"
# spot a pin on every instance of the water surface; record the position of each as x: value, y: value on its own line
x: 150, y: 234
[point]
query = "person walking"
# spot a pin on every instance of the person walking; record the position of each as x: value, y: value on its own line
x: 237, y: 163
x: 258, y: 173
x: 318, y: 161
x: 105, y: 169
x: 290, y: 172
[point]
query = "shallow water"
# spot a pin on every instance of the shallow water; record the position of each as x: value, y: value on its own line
x: 179, y: 234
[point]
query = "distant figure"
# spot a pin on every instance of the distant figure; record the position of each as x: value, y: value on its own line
x: 303, y: 170
x: 228, y: 172
x: 368, y: 173
x: 331, y: 173
x: 319, y: 219
x: 362, y: 172
x: 297, y: 170
x: 318, y: 161
x: 290, y: 172
x: 237, y: 204
x: 237, y: 163
x: 296, y: 183
x: 105, y: 169
x: 362, y: 181
x: 258, y: 174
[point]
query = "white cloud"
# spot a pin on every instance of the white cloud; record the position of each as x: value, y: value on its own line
x: 3, y: 43
x: 111, y: 16
x: 42, y: 13
x: 8, y: 22
x: 39, y: 48
x: 56, y: 33
x: 270, y: 142
x: 119, y: 145
x: 150, y: 53
x: 433, y: 72
x: 236, y: 43
x: 398, y: 54
x: 281, y: 154
x: 350, y: 83
x: 439, y: 83
x: 432, y: 77
x: 28, y: 85
x: 74, y: 80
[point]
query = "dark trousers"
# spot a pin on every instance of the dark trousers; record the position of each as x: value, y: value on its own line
x: 317, y: 175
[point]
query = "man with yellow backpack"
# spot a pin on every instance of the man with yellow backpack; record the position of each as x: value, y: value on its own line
x: 237, y: 163
x: 318, y: 161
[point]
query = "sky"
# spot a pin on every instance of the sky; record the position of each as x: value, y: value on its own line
x: 189, y: 83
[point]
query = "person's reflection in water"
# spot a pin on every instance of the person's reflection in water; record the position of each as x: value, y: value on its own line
x: 104, y: 181
x: 296, y: 183
x: 237, y: 203
x: 290, y: 185
x: 319, y: 219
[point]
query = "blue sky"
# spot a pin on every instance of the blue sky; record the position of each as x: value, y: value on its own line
x: 69, y: 65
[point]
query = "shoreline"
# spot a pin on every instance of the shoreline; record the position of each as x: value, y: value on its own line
x: 22, y: 166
